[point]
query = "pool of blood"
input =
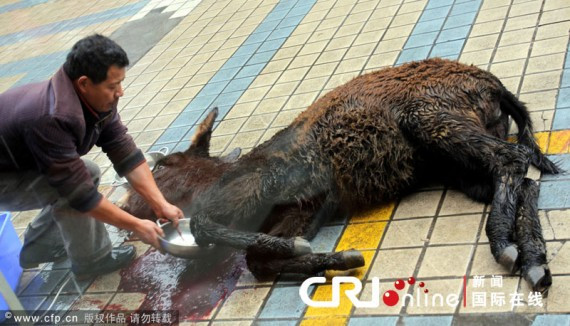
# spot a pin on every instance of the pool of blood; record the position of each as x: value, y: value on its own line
x: 193, y: 287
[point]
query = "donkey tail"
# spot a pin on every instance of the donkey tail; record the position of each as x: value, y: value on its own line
x: 518, y: 111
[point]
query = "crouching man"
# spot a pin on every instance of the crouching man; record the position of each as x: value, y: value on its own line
x: 45, y: 129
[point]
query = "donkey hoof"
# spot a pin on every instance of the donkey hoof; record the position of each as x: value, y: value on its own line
x: 301, y: 247
x: 509, y: 257
x: 351, y: 259
x: 539, y: 278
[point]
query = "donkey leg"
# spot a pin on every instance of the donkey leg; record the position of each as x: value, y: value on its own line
x: 513, y: 162
x: 206, y: 232
x: 530, y: 240
x: 467, y: 143
x: 311, y: 264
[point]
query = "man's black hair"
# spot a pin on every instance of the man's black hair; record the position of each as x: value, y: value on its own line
x: 92, y: 56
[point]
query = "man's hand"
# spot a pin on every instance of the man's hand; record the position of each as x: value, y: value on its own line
x: 148, y: 232
x: 169, y: 212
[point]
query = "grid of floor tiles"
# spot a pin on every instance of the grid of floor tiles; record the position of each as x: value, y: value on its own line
x: 263, y: 62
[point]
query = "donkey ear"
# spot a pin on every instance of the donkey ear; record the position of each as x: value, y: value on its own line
x: 201, y: 140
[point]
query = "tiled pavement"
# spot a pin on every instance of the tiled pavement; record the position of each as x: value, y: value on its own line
x: 262, y: 62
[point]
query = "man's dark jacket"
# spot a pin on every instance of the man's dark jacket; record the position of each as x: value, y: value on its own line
x: 45, y: 127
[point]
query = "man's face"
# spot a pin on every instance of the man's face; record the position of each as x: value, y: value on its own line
x: 102, y: 96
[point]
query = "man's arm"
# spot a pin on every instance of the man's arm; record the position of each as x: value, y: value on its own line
x: 141, y: 179
x: 129, y: 161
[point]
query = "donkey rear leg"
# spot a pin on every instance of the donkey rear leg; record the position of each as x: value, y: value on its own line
x: 467, y: 143
x: 530, y: 240
x: 311, y: 264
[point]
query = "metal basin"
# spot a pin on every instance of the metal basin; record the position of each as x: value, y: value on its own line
x: 181, y: 246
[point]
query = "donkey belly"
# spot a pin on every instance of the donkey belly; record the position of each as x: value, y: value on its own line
x: 371, y: 159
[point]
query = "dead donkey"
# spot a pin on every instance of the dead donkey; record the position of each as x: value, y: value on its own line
x: 366, y: 142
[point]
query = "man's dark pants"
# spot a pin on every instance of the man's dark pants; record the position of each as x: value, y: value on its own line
x: 85, y: 239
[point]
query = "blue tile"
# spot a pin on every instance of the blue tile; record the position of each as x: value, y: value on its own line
x: 240, y: 84
x: 447, y: 49
x: 182, y: 146
x: 200, y: 102
x: 460, y: 20
x: 262, y: 57
x: 275, y: 322
x: 565, y: 78
x: 326, y: 238
x: 428, y: 26
x: 186, y: 118
x: 227, y: 98
x: 285, y: 5
x: 428, y: 321
x: 224, y: 74
x: 267, y: 26
x: 561, y: 119
x: 551, y: 320
x: 414, y: 54
x: 277, y: 14
x: 563, y: 98
x: 418, y: 40
x: 281, y: 33
x: 251, y: 70
x: 272, y: 45
x: 214, y: 88
x: 302, y: 8
x: 246, y: 50
x: 366, y: 321
x: 438, y: 3
x: 47, y: 64
x: 563, y: 161
x: 453, y: 34
x: 20, y: 5
x: 284, y: 302
x: 472, y: 6
x: 257, y: 37
x: 189, y: 134
x: 172, y: 135
x: 436, y: 13
x: 236, y: 61
x: 291, y: 20
x: 554, y: 195
x: 45, y: 283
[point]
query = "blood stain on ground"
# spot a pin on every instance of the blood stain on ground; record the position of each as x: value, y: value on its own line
x: 193, y: 287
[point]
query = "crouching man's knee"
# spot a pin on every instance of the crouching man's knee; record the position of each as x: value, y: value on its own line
x: 94, y: 171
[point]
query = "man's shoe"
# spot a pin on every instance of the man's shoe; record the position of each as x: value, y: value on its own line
x: 33, y: 254
x: 118, y: 258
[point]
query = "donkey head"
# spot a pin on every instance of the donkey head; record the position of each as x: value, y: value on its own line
x: 181, y: 175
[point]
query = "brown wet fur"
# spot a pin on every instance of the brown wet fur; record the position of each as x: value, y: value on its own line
x: 368, y: 141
